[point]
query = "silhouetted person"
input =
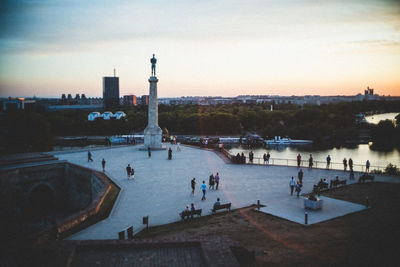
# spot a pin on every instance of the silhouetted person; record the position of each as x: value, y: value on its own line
x: 298, y: 160
x: 149, y: 152
x: 367, y: 164
x: 128, y: 171
x: 345, y: 164
x: 169, y: 153
x: 103, y: 164
x: 328, y: 161
x: 350, y: 164
x: 217, y: 181
x: 310, y: 162
x: 193, y: 184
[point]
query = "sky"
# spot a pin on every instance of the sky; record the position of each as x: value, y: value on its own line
x: 203, y: 48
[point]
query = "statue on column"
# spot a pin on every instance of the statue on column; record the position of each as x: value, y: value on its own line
x: 153, y: 61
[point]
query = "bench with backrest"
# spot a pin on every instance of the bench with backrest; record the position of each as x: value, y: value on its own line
x: 221, y: 207
x: 190, y: 214
x: 338, y: 182
x: 365, y: 177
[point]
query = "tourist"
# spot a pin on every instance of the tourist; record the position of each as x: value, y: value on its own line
x: 217, y: 204
x: 251, y: 156
x: 237, y: 158
x: 268, y: 156
x: 204, y: 188
x: 265, y: 158
x: 178, y: 147
x: 103, y: 164
x: 217, y: 181
x: 298, y: 160
x: 292, y: 184
x: 350, y: 164
x: 310, y: 162
x: 242, y: 158
x: 367, y: 164
x: 328, y: 161
x: 325, y: 181
x: 192, y: 208
x: 169, y: 153
x: 185, y: 211
x: 89, y: 156
x: 345, y: 164
x: 300, y: 176
x: 128, y: 171
x: 298, y: 188
x: 193, y: 184
x: 133, y: 172
x: 211, y: 181
x: 149, y: 151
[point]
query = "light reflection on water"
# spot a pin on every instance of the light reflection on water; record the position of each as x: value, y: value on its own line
x: 375, y: 119
x: 360, y: 154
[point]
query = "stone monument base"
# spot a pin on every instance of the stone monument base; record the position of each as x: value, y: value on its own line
x: 152, y: 137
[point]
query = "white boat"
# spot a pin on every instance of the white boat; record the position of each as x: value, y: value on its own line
x: 287, y: 141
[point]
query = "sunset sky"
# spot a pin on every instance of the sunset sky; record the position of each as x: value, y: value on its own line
x: 203, y: 47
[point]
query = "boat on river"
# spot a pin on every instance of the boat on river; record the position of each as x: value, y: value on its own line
x: 287, y: 141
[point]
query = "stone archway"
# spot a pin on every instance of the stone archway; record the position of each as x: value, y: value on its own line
x: 42, y: 199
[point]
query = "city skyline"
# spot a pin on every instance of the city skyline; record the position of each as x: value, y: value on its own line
x: 208, y: 48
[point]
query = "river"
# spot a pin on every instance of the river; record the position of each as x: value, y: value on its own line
x: 375, y: 119
x: 359, y: 154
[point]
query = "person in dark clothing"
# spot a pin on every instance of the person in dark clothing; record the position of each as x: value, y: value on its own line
x: 265, y: 158
x: 298, y: 160
x: 169, y: 153
x: 351, y: 164
x: 237, y: 158
x: 133, y: 172
x: 103, y: 164
x: 310, y: 162
x: 149, y: 152
x: 251, y: 157
x: 268, y: 157
x: 128, y: 171
x: 193, y: 185
x: 211, y: 181
x: 345, y: 164
x: 300, y: 176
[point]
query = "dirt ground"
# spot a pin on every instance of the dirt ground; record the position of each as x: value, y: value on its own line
x: 367, y: 238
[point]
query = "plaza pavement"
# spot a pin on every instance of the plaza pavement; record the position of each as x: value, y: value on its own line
x: 161, y: 187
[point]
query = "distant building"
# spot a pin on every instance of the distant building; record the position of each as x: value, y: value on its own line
x: 77, y: 97
x: 69, y: 97
x: 145, y: 100
x: 17, y: 103
x: 129, y: 100
x: 111, y: 91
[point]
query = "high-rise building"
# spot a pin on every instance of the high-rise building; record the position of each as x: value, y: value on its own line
x: 145, y: 100
x: 111, y: 91
x: 129, y: 100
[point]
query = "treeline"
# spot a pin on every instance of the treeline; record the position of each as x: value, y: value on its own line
x: 35, y: 130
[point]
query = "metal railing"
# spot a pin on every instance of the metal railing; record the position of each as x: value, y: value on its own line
x: 304, y: 164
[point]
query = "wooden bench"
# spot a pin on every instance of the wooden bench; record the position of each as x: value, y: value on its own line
x: 338, y: 182
x: 365, y: 177
x: 190, y: 214
x: 222, y: 206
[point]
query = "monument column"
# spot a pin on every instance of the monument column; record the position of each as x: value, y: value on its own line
x: 153, y: 133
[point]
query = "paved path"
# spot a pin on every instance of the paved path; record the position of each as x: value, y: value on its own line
x: 161, y: 187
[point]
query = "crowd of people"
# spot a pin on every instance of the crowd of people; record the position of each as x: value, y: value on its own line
x: 213, y: 184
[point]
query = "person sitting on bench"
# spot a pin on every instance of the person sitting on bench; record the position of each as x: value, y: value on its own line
x: 217, y: 203
x: 185, y: 211
x: 192, y: 208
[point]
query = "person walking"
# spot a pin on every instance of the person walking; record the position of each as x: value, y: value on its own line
x: 211, y: 181
x: 89, y: 156
x: 265, y: 158
x: 268, y: 156
x: 300, y: 176
x: 193, y: 184
x: 292, y: 184
x: 345, y: 164
x: 328, y: 161
x: 216, y: 181
x: 310, y: 162
x: 298, y: 160
x: 103, y: 164
x: 298, y: 188
x: 204, y: 189
x: 350, y: 164
x: 367, y: 164
x: 149, y: 152
x: 128, y: 171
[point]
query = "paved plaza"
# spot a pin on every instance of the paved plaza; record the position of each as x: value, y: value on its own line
x: 161, y: 187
